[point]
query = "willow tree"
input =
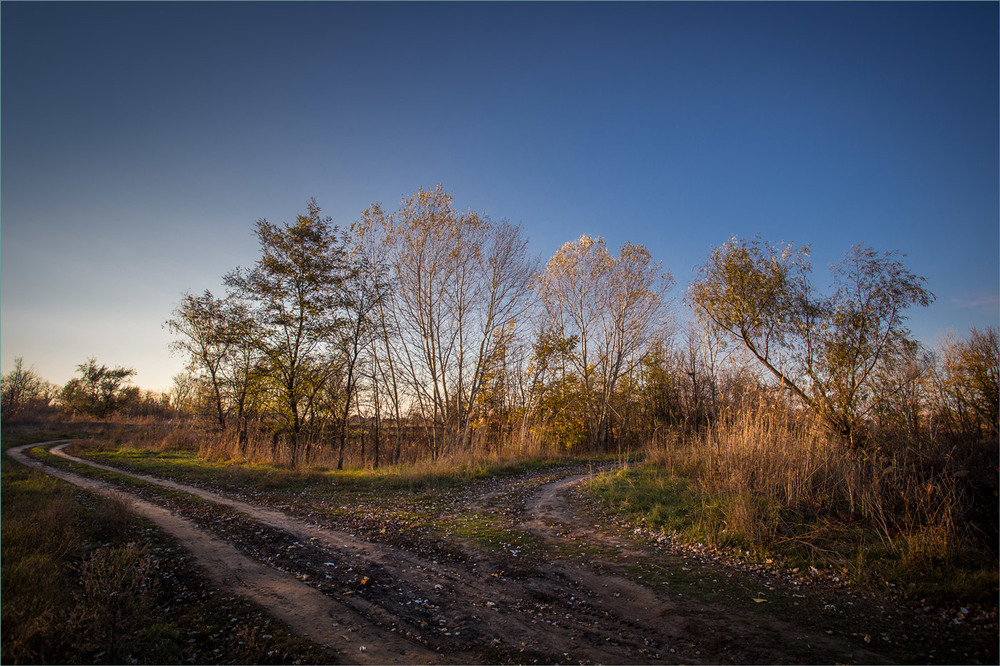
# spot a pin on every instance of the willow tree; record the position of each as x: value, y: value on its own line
x: 824, y: 349
x: 613, y: 306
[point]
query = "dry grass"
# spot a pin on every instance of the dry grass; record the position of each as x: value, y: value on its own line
x: 793, y: 462
x: 117, y: 590
x: 774, y: 481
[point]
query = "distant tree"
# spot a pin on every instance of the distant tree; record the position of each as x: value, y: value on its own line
x: 822, y: 349
x: 901, y: 391
x: 294, y: 294
x: 184, y: 391
x: 972, y: 376
x: 20, y: 389
x: 662, y: 397
x: 99, y: 390
x: 557, y: 391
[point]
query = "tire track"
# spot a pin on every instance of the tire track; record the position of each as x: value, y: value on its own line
x: 305, y: 610
x: 503, y: 616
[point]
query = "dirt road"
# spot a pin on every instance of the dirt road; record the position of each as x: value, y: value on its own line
x: 586, y: 594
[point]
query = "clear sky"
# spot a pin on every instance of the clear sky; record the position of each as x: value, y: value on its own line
x: 141, y: 141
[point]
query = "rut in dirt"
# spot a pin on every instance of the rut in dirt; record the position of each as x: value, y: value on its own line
x: 462, y: 607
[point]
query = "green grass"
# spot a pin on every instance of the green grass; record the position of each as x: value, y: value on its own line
x: 422, y: 500
x: 927, y: 566
x: 262, y: 476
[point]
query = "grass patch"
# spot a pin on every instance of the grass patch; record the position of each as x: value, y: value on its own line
x: 188, y: 465
x: 417, y: 499
x: 927, y: 564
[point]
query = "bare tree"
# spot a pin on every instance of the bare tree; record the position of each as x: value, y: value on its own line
x: 20, y: 389
x: 613, y: 306
x: 458, y: 278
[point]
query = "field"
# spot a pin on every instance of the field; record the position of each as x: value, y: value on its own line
x: 555, y: 560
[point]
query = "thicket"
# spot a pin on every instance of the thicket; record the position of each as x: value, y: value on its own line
x: 98, y: 393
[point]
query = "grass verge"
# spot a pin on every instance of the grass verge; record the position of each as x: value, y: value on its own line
x: 188, y: 465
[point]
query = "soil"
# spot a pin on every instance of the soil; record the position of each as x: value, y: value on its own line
x: 574, y: 587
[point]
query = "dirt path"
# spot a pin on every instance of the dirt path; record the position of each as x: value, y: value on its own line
x: 469, y: 602
x: 307, y: 611
x: 715, y: 634
x: 479, y: 606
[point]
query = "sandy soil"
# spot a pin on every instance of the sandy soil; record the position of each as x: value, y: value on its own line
x: 384, y: 597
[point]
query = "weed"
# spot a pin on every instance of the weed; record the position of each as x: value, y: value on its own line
x: 115, y: 515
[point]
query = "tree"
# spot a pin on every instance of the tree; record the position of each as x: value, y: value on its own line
x: 972, y: 371
x: 822, y: 349
x: 99, y: 391
x: 556, y: 390
x: 184, y: 391
x: 20, y: 389
x: 612, y: 306
x: 294, y: 293
x: 208, y: 333
x: 458, y: 279
x: 363, y: 295
x: 370, y: 247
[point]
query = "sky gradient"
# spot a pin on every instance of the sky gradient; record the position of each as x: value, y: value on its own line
x: 139, y: 142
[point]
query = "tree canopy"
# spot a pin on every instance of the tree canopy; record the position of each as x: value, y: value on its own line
x: 823, y: 348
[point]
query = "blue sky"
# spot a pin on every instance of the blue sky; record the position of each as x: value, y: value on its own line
x: 139, y: 142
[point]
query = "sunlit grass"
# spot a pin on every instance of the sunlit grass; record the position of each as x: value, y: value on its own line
x: 191, y: 466
x: 781, y: 491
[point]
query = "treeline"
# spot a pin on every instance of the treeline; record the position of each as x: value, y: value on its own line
x: 424, y: 331
x: 98, y: 392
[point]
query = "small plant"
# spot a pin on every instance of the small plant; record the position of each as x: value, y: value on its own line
x: 118, y: 589
x: 115, y: 515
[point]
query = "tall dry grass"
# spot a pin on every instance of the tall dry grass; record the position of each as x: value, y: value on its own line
x: 780, y: 470
x: 321, y: 450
